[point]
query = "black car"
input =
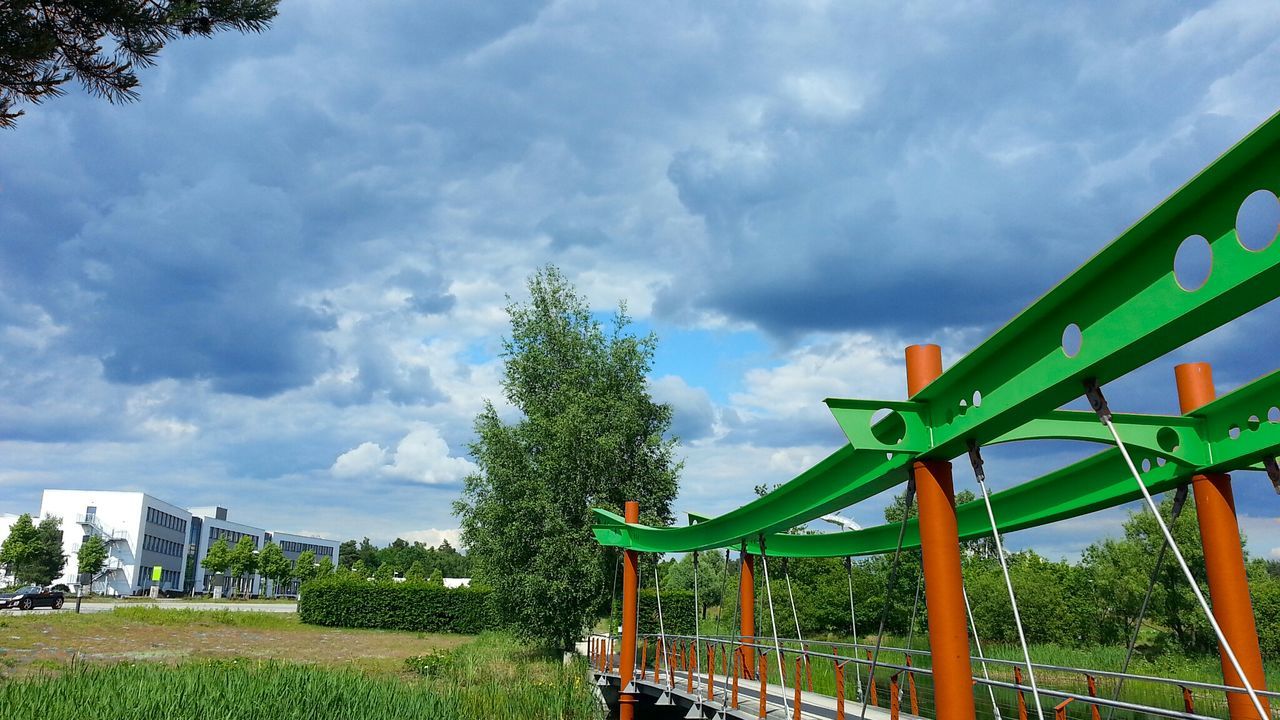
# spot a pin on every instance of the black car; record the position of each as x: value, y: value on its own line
x: 26, y: 598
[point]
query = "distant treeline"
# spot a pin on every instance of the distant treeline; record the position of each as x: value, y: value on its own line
x: 401, y: 555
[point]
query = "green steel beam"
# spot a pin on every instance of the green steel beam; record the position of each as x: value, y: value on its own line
x: 1128, y: 305
x: 1095, y: 483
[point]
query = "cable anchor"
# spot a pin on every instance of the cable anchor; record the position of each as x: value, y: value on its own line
x: 1273, y: 471
x: 1097, y: 400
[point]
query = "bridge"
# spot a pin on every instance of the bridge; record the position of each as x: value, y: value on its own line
x: 1134, y: 302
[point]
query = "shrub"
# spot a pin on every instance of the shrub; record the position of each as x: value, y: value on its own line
x: 351, y: 602
x: 677, y: 613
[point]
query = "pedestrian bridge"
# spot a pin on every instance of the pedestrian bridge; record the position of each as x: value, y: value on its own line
x: 1196, y: 262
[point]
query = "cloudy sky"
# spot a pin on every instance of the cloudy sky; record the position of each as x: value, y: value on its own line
x: 277, y: 282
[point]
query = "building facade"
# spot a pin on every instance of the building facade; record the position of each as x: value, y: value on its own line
x: 143, y: 532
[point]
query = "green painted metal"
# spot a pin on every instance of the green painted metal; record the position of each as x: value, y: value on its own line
x: 1095, y: 483
x: 1130, y: 310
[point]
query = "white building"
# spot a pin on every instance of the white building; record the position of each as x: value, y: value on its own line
x: 143, y: 532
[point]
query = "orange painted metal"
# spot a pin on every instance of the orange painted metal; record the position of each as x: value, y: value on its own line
x: 911, y: 689
x: 711, y: 672
x: 644, y: 658
x: 658, y: 649
x: 1223, y: 557
x: 893, y: 696
x: 1022, y: 698
x: 795, y: 700
x: 1060, y: 710
x: 688, y: 667
x: 1188, y: 700
x: 630, y: 588
x: 839, y: 690
x: 940, y: 546
x: 764, y: 684
x: 808, y: 669
x: 737, y: 670
x: 747, y: 612
x: 871, y: 681
x: 1093, y: 692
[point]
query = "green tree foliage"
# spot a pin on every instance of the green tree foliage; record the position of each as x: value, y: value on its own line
x: 345, y: 601
x: 218, y: 559
x: 402, y: 554
x: 360, y: 570
x: 91, y: 556
x: 437, y: 578
x: 243, y: 562
x: 588, y: 436
x: 416, y: 572
x: 46, y: 43
x: 347, y: 554
x: 274, y: 566
x: 33, y: 553
x: 324, y: 568
x: 305, y: 568
x: 384, y: 573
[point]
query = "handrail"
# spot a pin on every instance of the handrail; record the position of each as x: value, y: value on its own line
x: 758, y: 647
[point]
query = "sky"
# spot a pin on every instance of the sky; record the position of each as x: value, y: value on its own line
x: 277, y: 283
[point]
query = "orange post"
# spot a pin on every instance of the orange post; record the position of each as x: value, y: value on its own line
x: 911, y: 689
x: 1060, y: 710
x: 871, y: 680
x: 1093, y: 692
x: 1022, y: 698
x: 747, y: 611
x: 940, y: 546
x: 630, y: 584
x: 658, y: 649
x: 644, y: 658
x: 711, y: 672
x: 1188, y: 700
x: 689, y: 655
x: 1223, y: 557
x: 893, y: 697
x: 839, y: 690
x: 808, y: 668
x: 737, y: 670
x: 795, y: 700
x: 764, y: 685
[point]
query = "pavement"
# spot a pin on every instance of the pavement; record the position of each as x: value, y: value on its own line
x: 98, y: 607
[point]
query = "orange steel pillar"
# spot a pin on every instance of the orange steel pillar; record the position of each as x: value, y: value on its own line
x: 627, y: 660
x: 1223, y: 557
x: 940, y: 545
x: 747, y: 611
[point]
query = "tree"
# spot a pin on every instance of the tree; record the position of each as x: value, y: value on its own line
x: 437, y: 578
x: 244, y: 561
x: 218, y: 559
x: 325, y: 567
x: 91, y: 556
x: 347, y: 553
x: 20, y: 547
x: 46, y: 43
x: 360, y: 570
x: 589, y: 436
x: 305, y: 567
x: 416, y: 572
x: 275, y: 566
x: 384, y: 573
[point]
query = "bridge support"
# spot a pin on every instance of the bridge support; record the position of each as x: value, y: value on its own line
x: 627, y: 657
x: 747, y: 612
x: 1223, y: 557
x: 940, y: 546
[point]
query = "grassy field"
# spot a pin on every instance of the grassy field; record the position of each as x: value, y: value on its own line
x: 146, y: 663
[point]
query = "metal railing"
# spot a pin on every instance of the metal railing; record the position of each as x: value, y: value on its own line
x: 110, y: 536
x: 736, y: 662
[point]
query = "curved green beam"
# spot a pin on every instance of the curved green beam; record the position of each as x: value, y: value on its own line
x: 1128, y: 305
x: 1095, y: 483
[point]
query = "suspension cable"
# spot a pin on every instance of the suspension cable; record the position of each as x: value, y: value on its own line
x: 697, y: 628
x: 975, y: 458
x: 982, y: 660
x: 888, y: 590
x: 662, y: 627
x: 853, y: 621
x: 773, y: 623
x: 1179, y: 499
x: 724, y: 583
x: 786, y: 573
x: 1099, y: 404
x: 911, y: 627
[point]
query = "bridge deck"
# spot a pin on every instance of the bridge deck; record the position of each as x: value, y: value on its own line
x: 813, y: 706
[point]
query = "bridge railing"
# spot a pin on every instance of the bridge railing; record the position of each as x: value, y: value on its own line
x: 717, y: 667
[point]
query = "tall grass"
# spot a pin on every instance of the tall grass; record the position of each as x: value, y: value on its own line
x: 491, y: 678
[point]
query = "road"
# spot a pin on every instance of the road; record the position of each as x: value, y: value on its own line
x: 97, y: 607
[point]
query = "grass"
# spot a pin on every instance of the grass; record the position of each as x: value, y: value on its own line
x: 180, y: 664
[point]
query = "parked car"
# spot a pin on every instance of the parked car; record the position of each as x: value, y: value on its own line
x: 26, y: 598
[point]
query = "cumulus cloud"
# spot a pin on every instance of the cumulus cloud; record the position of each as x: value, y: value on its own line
x: 421, y: 456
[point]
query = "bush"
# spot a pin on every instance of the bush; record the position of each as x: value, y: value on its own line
x: 351, y: 602
x: 677, y: 613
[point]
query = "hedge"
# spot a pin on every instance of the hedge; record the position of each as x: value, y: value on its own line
x: 351, y: 602
x: 677, y: 613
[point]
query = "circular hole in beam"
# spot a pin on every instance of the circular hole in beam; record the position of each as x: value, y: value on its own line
x: 1167, y: 439
x: 1254, y: 422
x: 1234, y: 432
x: 977, y: 398
x: 1146, y: 465
x: 1273, y: 415
x: 1192, y: 263
x: 1258, y: 220
x: 888, y: 427
x: 1072, y: 340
